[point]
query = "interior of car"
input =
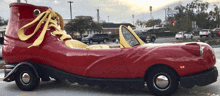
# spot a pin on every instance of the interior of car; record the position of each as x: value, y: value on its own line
x: 127, y: 39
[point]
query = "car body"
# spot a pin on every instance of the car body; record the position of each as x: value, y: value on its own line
x: 145, y: 36
x: 205, y: 32
x: 96, y: 38
x: 161, y: 66
x: 215, y: 32
x: 183, y: 35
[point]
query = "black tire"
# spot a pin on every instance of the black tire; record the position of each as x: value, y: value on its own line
x: 153, y: 39
x: 177, y: 38
x: 25, y: 84
x: 162, y: 88
x: 58, y: 80
x: 101, y: 84
x: 200, y: 36
x: 192, y: 37
x: 90, y: 41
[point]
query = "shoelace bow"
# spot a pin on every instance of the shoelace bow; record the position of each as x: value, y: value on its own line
x: 45, y: 17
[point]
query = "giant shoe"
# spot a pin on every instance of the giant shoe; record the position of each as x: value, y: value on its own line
x: 36, y: 47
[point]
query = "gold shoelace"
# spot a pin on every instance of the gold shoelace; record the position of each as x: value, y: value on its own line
x: 45, y: 17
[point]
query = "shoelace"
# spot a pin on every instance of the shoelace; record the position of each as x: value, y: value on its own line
x: 51, y: 18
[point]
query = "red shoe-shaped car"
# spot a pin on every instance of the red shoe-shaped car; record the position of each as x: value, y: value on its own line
x: 35, y: 47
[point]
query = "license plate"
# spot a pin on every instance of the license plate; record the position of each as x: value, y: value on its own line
x: 148, y: 37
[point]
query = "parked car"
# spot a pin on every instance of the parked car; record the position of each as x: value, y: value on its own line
x: 2, y: 34
x: 95, y: 38
x: 205, y: 32
x: 183, y: 35
x: 0, y: 52
x: 215, y: 32
x: 146, y: 36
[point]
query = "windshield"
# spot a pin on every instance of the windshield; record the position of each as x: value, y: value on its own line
x: 129, y: 37
x: 90, y: 35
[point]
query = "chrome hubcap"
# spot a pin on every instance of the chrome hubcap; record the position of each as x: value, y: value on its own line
x: 25, y: 78
x: 162, y: 82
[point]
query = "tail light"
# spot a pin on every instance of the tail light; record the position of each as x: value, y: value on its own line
x: 218, y: 33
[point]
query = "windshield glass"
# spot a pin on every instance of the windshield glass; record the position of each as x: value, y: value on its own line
x: 129, y: 37
x: 90, y: 35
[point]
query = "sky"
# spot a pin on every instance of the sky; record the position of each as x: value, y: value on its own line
x: 119, y: 11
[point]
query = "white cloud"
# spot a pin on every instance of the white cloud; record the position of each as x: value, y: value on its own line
x: 117, y: 10
x: 56, y: 1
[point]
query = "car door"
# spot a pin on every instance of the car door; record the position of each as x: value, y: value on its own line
x: 95, y: 37
x: 106, y: 63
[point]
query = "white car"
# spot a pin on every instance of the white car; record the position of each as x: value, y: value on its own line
x: 183, y: 35
x: 205, y: 32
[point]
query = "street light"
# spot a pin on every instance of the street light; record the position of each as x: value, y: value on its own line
x: 70, y: 9
x: 151, y: 8
x: 108, y: 23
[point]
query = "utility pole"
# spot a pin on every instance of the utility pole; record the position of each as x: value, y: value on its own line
x: 70, y: 9
x: 133, y: 18
x: 98, y: 15
x: 108, y: 23
x: 98, y: 18
x: 152, y: 17
x: 165, y: 14
x: 18, y: 1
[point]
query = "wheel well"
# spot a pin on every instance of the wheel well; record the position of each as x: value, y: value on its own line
x: 156, y: 66
x: 30, y: 65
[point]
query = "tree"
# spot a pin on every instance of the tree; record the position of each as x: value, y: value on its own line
x: 2, y: 21
x: 194, y: 11
x: 152, y: 22
x: 81, y: 25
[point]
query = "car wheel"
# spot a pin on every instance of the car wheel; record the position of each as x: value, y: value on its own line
x: 207, y: 36
x: 177, y: 38
x: 57, y: 80
x: 104, y: 41
x: 101, y: 85
x: 191, y: 37
x: 200, y: 36
x: 90, y: 41
x: 153, y: 39
x: 162, y: 81
x: 26, y: 79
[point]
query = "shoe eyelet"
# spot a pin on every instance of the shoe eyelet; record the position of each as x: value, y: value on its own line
x: 36, y: 12
x: 52, y: 34
x: 59, y: 39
